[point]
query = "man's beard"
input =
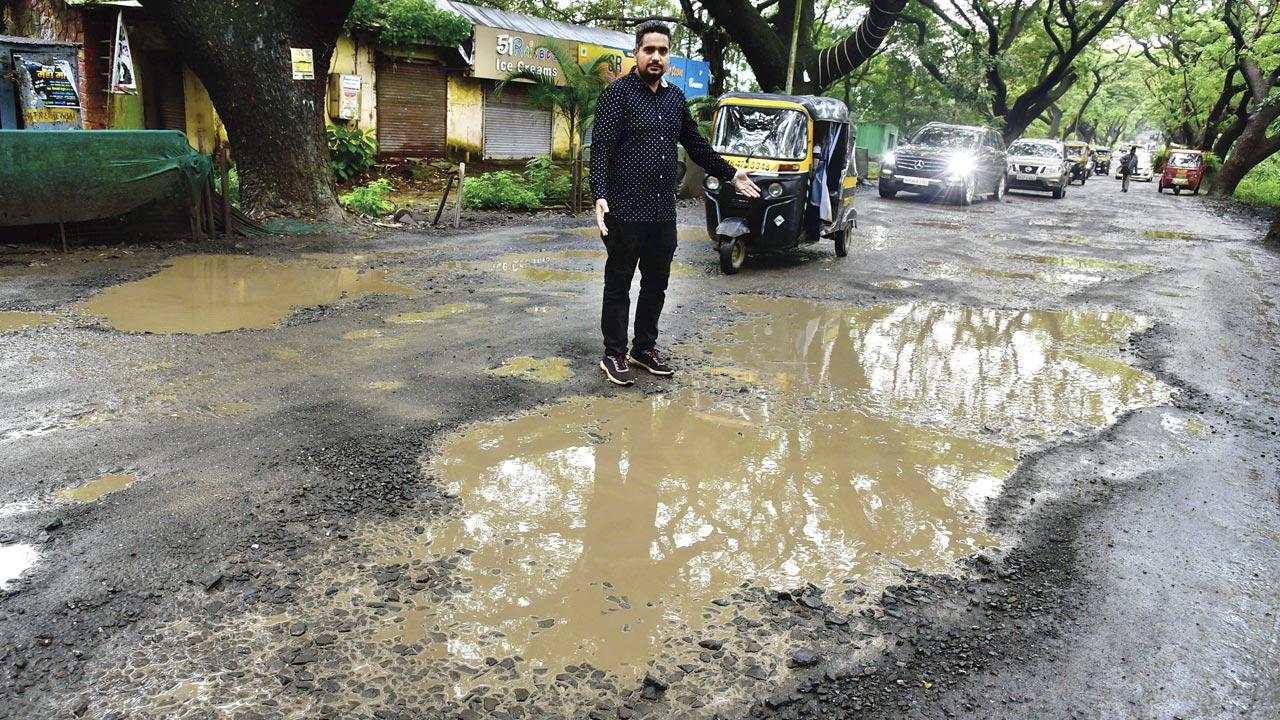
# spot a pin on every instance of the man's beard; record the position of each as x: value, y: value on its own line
x: 651, y: 74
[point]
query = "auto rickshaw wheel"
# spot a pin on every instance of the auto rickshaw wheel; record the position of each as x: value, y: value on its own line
x: 1177, y: 189
x: 733, y: 253
x: 1196, y: 190
x: 842, y: 243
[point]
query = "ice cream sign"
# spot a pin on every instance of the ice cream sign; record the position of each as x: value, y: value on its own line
x: 499, y: 53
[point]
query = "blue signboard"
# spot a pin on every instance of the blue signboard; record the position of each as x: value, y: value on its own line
x: 691, y: 76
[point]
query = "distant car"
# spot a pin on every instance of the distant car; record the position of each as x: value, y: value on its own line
x: 1183, y: 171
x: 957, y: 161
x: 1144, y: 165
x: 1038, y: 165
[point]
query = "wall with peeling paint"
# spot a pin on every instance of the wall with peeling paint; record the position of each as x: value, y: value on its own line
x: 465, y: 130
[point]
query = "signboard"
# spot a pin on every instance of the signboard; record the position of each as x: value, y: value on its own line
x: 123, y: 80
x: 47, y: 92
x: 620, y: 61
x: 344, y: 97
x: 304, y: 66
x: 691, y: 76
x: 498, y: 53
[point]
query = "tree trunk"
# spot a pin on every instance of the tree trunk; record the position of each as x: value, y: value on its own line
x: 1232, y: 133
x: 1253, y: 147
x: 241, y: 52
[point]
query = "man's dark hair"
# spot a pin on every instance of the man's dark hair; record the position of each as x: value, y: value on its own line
x: 652, y: 26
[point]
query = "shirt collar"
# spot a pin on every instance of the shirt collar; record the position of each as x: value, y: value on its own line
x: 661, y: 83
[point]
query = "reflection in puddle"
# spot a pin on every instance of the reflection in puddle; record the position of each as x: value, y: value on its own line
x: 1088, y: 263
x: 513, y: 300
x: 95, y: 489
x: 597, y: 529
x: 15, y: 560
x: 546, y: 370
x: 1170, y: 235
x: 15, y: 320
x: 1006, y: 274
x: 438, y: 313
x: 896, y: 284
x: 386, y: 385
x: 200, y: 294
x: 543, y: 310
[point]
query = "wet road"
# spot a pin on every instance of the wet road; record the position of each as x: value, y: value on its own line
x: 1014, y: 460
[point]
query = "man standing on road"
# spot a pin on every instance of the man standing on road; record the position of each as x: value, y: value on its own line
x: 639, y: 118
x: 1128, y: 166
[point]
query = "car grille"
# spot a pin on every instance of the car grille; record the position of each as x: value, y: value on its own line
x: 920, y: 166
x: 1031, y: 169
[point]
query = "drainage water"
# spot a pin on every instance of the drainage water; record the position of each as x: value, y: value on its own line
x: 201, y: 294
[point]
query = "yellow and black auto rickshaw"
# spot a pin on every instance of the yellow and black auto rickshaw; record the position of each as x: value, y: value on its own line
x: 799, y: 150
x: 1080, y: 155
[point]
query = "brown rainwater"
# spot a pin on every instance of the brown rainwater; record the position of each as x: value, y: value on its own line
x: 831, y: 443
x: 95, y: 489
x: 200, y: 294
x: 16, y: 320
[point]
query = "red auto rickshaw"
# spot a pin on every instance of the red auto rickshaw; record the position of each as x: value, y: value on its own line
x: 1184, y: 170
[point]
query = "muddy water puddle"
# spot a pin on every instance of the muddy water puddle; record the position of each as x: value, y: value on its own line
x: 96, y: 489
x: 827, y: 444
x: 201, y: 294
x: 1171, y: 235
x: 1084, y: 263
x: 544, y: 370
x: 17, y: 320
x: 435, y: 314
x: 15, y: 560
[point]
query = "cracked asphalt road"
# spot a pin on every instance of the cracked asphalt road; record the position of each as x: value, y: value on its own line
x: 1136, y: 577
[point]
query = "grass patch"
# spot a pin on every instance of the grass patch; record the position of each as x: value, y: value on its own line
x: 1262, y: 185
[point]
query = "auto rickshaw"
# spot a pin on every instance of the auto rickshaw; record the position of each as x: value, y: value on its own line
x: 1184, y: 170
x: 1102, y: 161
x: 1078, y: 154
x: 799, y: 150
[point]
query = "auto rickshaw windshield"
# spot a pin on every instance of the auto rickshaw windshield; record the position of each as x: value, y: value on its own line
x: 761, y: 132
x: 1035, y: 149
x: 1184, y: 160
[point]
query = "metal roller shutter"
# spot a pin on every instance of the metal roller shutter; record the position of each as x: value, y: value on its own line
x: 512, y: 129
x: 412, y: 98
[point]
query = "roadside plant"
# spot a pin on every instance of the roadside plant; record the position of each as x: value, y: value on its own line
x: 352, y: 151
x: 501, y: 190
x: 371, y: 199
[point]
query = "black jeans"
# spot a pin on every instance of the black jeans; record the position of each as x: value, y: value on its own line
x: 652, y: 245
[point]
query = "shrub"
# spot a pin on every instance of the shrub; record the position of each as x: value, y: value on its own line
x: 233, y: 186
x: 1262, y: 185
x: 409, y: 22
x: 371, y: 199
x: 352, y: 151
x: 502, y: 189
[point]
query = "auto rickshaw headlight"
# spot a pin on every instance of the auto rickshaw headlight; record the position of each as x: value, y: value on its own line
x: 774, y: 190
x: 713, y: 183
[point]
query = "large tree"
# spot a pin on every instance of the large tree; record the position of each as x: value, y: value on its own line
x: 1255, y: 36
x: 1026, y: 52
x: 763, y: 31
x: 241, y: 52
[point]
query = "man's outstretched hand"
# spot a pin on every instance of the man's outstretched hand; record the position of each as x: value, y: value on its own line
x: 602, y: 207
x: 742, y: 183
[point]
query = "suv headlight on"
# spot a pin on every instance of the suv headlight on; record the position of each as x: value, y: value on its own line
x: 713, y: 183
x: 962, y: 164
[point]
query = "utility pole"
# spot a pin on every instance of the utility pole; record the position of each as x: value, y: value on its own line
x: 795, y: 39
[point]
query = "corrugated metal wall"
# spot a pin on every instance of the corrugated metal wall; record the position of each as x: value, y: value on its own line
x: 513, y: 129
x: 412, y: 101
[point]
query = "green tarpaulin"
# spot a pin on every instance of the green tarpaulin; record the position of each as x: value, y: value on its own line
x: 71, y: 176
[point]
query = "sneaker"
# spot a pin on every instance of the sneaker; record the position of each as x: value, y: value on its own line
x: 652, y: 361
x: 616, y: 369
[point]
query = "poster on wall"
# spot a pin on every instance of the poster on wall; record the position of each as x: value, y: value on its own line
x: 304, y: 66
x: 123, y: 80
x: 47, y: 92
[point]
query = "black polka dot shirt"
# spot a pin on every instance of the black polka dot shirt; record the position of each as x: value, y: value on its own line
x: 633, y: 149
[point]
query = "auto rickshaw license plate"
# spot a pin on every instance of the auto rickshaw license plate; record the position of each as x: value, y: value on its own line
x: 1179, y: 181
x: 913, y: 180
